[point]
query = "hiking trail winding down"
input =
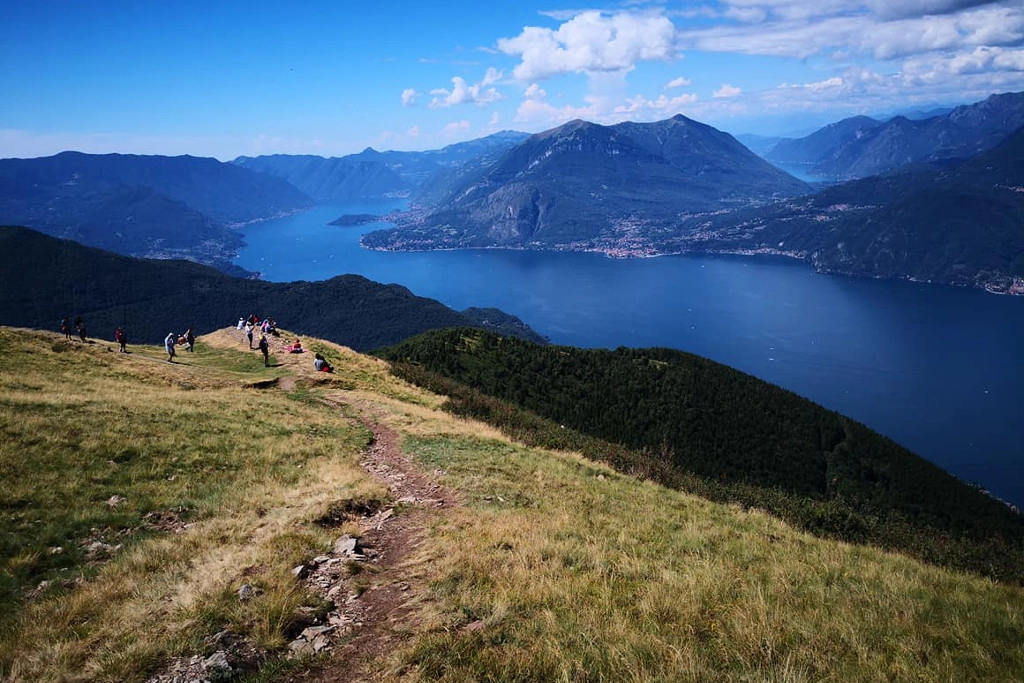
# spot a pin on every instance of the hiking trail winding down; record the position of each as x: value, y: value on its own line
x: 372, y: 602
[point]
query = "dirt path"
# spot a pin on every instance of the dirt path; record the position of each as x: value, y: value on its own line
x: 375, y: 618
x: 374, y: 605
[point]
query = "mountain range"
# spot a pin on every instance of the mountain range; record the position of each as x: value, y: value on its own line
x: 959, y: 223
x: 371, y: 175
x: 862, y: 146
x: 153, y: 206
x: 632, y: 189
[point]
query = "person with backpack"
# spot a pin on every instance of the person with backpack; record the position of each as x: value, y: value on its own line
x: 65, y: 327
x: 265, y: 350
x: 190, y: 340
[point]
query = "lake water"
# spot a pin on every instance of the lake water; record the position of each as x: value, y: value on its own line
x: 939, y: 369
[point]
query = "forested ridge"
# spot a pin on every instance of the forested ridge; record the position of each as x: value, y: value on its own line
x: 692, y: 423
x: 43, y: 279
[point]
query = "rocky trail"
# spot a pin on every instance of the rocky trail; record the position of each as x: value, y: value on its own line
x: 365, y: 579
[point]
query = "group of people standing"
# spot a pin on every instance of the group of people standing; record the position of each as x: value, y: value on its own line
x: 188, y: 340
x: 65, y: 327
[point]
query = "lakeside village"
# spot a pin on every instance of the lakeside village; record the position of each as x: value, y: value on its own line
x: 703, y: 233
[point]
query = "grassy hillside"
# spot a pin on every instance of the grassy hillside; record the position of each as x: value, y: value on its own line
x: 43, y: 279
x: 690, y: 422
x: 548, y: 567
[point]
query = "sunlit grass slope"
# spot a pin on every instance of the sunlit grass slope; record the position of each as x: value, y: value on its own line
x: 550, y: 568
x: 559, y: 569
x: 247, y: 468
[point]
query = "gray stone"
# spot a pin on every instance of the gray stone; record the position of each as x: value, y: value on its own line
x: 245, y: 592
x: 217, y: 666
x: 300, y: 572
x: 345, y: 545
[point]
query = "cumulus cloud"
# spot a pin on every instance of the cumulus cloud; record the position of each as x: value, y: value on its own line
x: 677, y: 83
x: 727, y: 90
x: 883, y: 29
x: 409, y: 96
x: 464, y: 93
x: 591, y: 42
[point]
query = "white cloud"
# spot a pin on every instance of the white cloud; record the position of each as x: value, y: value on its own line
x: 883, y: 29
x: 409, y: 96
x: 663, y: 107
x: 727, y: 90
x: 413, y: 132
x: 463, y: 93
x: 591, y: 42
x: 455, y: 128
x: 495, y: 120
x: 534, y: 92
x: 677, y: 83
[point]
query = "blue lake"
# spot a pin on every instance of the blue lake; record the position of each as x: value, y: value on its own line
x: 939, y: 369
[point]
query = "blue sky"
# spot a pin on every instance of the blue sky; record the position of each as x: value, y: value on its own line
x: 228, y: 78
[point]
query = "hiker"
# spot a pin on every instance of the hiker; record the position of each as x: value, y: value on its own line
x: 296, y: 347
x: 80, y: 326
x: 190, y: 340
x: 121, y: 338
x: 321, y: 364
x: 169, y: 346
x: 248, y: 333
x: 241, y: 323
x: 265, y: 349
x: 65, y: 327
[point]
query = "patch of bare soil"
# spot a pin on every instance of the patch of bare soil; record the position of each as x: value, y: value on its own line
x: 373, y: 605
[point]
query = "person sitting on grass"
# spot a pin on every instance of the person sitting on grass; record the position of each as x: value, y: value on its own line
x: 321, y: 364
x: 296, y: 347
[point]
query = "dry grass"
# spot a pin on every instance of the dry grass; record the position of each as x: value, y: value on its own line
x: 554, y: 568
x: 249, y: 469
x: 571, y: 572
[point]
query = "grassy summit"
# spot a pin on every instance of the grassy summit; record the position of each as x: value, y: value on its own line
x: 549, y: 567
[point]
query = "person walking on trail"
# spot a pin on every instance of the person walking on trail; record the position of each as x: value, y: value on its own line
x: 190, y: 340
x: 265, y: 350
x: 121, y: 338
x: 248, y: 333
x: 169, y: 346
x: 80, y: 326
x: 65, y: 327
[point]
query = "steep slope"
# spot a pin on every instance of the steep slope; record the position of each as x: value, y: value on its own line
x: 823, y: 145
x: 43, y: 279
x: 343, y: 179
x: 744, y: 439
x: 960, y: 223
x: 861, y: 147
x: 580, y: 183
